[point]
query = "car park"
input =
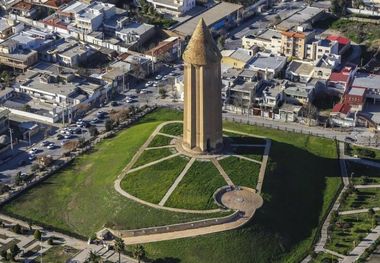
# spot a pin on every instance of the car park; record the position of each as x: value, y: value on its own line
x: 51, y: 146
x: 45, y: 143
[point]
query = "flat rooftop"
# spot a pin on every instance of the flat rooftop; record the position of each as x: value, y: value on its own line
x: 300, y: 17
x: 267, y: 62
x: 211, y: 16
x: 300, y: 68
x: 357, y: 92
x: 368, y: 81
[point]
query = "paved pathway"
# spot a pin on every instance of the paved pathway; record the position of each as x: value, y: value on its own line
x: 160, y: 147
x: 367, y: 186
x: 222, y: 172
x: 176, y: 182
x: 333, y: 253
x: 363, y: 245
x: 358, y: 211
x: 246, y: 158
x: 343, y: 172
x: 152, y: 163
x: 167, y: 135
x: 263, y: 167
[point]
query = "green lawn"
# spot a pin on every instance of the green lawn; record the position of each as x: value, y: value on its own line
x: 58, y: 254
x: 362, y: 198
x: 152, y: 155
x: 361, y: 152
x: 301, y: 181
x: 160, y: 140
x: 196, y: 189
x: 81, y: 199
x: 362, y: 174
x: 348, y: 232
x: 152, y: 183
x: 243, y: 139
x: 175, y: 129
x: 255, y: 153
x: 240, y: 171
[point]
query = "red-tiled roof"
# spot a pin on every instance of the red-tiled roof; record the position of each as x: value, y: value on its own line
x: 341, y: 76
x: 342, y: 108
x: 339, y: 39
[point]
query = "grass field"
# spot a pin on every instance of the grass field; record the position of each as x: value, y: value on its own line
x: 152, y: 183
x: 324, y: 258
x: 243, y: 139
x: 152, y: 155
x: 362, y: 198
x: 241, y: 172
x: 360, y: 152
x: 301, y: 181
x: 87, y: 186
x: 255, y: 153
x: 357, y: 31
x: 362, y: 174
x: 348, y: 232
x: 196, y: 189
x: 160, y: 140
x: 174, y: 129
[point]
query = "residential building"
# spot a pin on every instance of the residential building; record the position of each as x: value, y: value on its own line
x: 319, y: 48
x: 369, y: 82
x: 267, y: 66
x: 173, y: 7
x: 4, y: 120
x: 13, y: 56
x: 26, y: 9
x: 344, y: 43
x: 355, y: 97
x: 342, y: 116
x: 133, y: 33
x: 91, y: 17
x: 167, y: 50
x: 298, y: 93
x: 341, y: 80
x: 300, y: 71
x: 289, y: 112
x: 238, y: 58
x: 241, y: 97
x: 293, y: 43
x: 5, y: 28
x: 269, y: 40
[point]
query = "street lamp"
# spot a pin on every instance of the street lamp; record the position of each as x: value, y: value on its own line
x: 11, y: 137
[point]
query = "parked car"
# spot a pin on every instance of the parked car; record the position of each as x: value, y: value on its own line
x: 114, y: 103
x: 158, y: 77
x: 45, y: 143
x: 33, y: 151
x: 51, y: 146
x: 32, y: 157
x: 59, y: 136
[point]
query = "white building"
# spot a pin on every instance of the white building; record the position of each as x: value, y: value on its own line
x: 317, y: 49
x: 269, y: 40
x: 92, y: 17
x: 174, y: 7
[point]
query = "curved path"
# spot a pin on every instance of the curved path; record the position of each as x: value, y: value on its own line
x: 244, y: 200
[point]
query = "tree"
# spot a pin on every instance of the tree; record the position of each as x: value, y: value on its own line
x: 108, y: 125
x: 163, y: 92
x: 71, y: 145
x: 93, y: 131
x: 139, y: 252
x: 220, y: 42
x: 17, y: 229
x: 37, y: 235
x: 94, y: 258
x: 372, y: 215
x: 119, y: 246
x: 14, y: 249
x: 4, y: 254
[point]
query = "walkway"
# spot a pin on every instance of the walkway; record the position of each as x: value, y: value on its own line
x: 367, y: 186
x: 362, y: 161
x: 263, y: 166
x: 222, y: 172
x: 343, y: 172
x: 366, y: 243
x: 358, y: 211
x: 176, y: 182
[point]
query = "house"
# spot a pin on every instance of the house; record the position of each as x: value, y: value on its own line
x: 241, y: 97
x: 299, y: 71
x: 135, y: 33
x: 342, y: 116
x: 238, y: 58
x: 369, y: 82
x: 267, y: 66
x: 4, y: 120
x: 13, y: 56
x: 91, y: 17
x: 167, y: 50
x: 231, y: 77
x: 26, y: 9
x: 355, y: 97
x: 117, y: 76
x: 5, y: 28
x: 173, y: 7
x: 289, y: 112
x: 319, y: 48
x: 269, y: 41
x: 298, y: 93
x: 324, y: 66
x: 344, y: 44
x: 341, y: 80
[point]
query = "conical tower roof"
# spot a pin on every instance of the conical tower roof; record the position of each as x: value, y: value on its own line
x: 202, y: 48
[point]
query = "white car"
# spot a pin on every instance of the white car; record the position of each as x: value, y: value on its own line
x: 158, y: 77
x: 148, y: 84
x: 32, y: 157
x: 67, y: 136
x: 51, y: 146
x: 33, y: 151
